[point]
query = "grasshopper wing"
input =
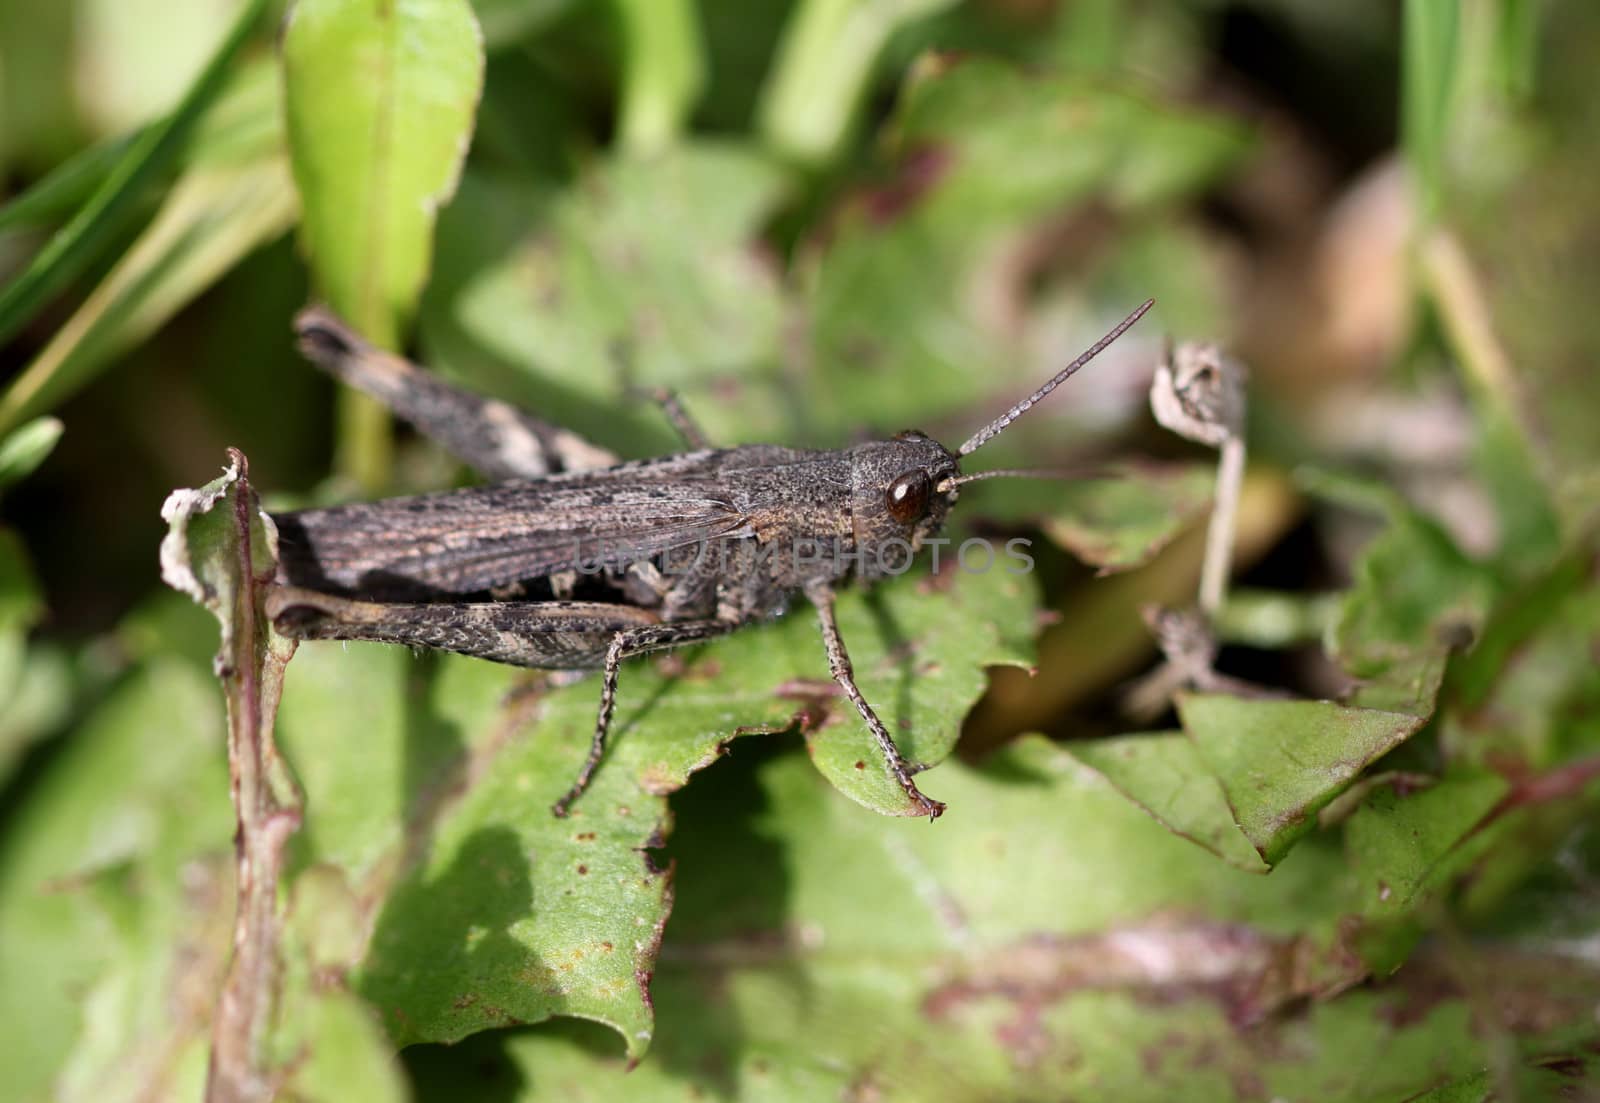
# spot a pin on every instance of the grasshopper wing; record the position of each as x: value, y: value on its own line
x: 471, y: 541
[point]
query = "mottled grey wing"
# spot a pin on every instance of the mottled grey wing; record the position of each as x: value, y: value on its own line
x: 469, y: 541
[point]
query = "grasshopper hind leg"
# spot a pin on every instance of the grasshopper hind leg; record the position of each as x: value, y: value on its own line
x: 548, y: 635
x: 678, y: 414
x: 493, y: 437
x: 543, y: 635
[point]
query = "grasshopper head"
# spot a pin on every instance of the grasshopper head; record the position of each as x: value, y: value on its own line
x: 901, y: 494
x: 902, y: 489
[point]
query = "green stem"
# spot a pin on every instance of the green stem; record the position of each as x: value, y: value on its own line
x: 824, y: 64
x: 365, y: 449
x: 664, y: 71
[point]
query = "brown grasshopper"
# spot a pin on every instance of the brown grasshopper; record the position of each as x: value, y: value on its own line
x: 574, y: 561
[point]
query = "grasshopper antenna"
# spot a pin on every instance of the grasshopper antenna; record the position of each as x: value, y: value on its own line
x: 1088, y: 471
x: 998, y: 425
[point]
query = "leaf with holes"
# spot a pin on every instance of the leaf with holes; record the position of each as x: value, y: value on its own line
x: 1058, y: 943
x: 430, y: 784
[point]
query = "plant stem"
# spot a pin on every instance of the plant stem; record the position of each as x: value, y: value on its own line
x: 268, y: 812
x: 664, y: 71
x: 1219, y: 536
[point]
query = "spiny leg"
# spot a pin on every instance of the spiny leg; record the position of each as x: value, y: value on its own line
x: 551, y: 635
x: 493, y: 437
x: 676, y: 413
x: 822, y: 597
x: 631, y: 641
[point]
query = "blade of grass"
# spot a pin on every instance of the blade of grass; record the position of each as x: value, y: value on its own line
x: 1431, y: 34
x: 246, y: 118
x: 76, y: 244
x: 69, y: 185
x: 212, y: 218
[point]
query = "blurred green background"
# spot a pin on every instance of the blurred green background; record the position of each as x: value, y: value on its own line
x: 819, y: 220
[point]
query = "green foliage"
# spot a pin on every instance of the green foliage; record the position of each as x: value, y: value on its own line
x: 1432, y: 32
x: 642, y: 278
x: 372, y: 176
x: 406, y: 76
x: 1122, y: 521
x: 1164, y: 774
x: 1279, y: 762
x: 96, y: 222
x: 26, y: 448
x: 845, y: 217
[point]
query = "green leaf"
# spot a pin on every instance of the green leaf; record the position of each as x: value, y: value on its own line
x: 922, y: 666
x: 372, y: 175
x: 1116, y: 517
x: 94, y: 932
x: 1163, y: 774
x: 1280, y: 761
x: 26, y: 447
x: 1399, y: 844
x: 904, y: 287
x: 1119, y: 523
x: 77, y: 244
x: 1059, y: 138
x: 1522, y: 698
x: 1414, y: 599
x: 406, y: 76
x: 645, y: 275
x: 1059, y: 944
x: 1403, y: 848
x: 430, y: 786
x: 1410, y: 583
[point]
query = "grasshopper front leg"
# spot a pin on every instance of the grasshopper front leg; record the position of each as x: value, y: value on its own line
x: 822, y: 596
x: 632, y: 641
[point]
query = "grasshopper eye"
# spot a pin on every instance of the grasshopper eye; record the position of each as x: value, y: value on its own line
x: 907, y: 496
